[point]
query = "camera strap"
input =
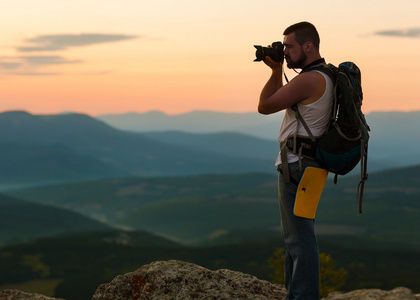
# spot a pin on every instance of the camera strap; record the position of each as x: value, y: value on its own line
x: 284, y: 73
x: 305, y: 68
x: 314, y: 63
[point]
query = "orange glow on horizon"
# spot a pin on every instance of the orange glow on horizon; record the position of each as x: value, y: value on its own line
x: 178, y: 57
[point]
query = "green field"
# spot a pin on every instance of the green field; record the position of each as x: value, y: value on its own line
x: 195, y: 209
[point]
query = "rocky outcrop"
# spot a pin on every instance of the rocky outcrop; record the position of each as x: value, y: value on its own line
x: 181, y: 280
x: 167, y: 280
x: 400, y: 293
x: 19, y: 295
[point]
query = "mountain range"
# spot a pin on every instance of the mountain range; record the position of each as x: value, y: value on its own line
x: 390, y: 145
x: 42, y: 149
x: 215, y: 189
x: 253, y: 124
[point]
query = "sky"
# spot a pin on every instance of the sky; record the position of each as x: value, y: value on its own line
x: 106, y: 57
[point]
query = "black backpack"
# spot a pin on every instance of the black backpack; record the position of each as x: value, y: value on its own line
x: 345, y: 142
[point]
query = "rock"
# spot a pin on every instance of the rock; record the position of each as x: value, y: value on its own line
x: 400, y: 293
x: 182, y: 280
x: 164, y: 280
x: 19, y: 295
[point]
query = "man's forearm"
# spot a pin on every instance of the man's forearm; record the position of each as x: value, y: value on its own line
x: 274, y: 83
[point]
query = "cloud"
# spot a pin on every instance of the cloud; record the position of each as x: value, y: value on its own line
x: 35, y: 73
x: 9, y: 65
x: 27, y: 63
x: 15, y: 62
x: 30, y: 65
x: 48, y: 60
x: 411, y: 32
x: 64, y: 41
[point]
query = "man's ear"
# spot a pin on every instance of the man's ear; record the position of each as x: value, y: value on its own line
x: 307, y: 47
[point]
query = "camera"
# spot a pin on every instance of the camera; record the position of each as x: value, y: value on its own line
x: 275, y: 52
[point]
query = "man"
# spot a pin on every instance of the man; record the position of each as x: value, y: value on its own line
x: 312, y: 93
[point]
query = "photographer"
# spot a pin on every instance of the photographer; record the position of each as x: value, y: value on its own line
x: 311, y: 92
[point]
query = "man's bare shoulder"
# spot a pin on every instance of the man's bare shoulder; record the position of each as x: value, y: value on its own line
x: 310, y: 79
x: 314, y: 83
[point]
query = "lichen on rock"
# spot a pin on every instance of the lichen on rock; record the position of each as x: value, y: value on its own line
x: 182, y: 280
x: 19, y: 295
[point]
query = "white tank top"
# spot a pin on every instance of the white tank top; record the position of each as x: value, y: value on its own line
x: 316, y: 115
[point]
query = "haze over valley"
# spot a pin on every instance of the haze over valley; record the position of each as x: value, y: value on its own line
x: 94, y: 196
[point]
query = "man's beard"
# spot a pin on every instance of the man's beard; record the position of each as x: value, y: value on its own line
x: 299, y: 63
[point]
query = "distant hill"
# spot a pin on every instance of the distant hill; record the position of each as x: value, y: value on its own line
x: 197, y: 122
x: 45, y: 149
x: 31, y: 164
x: 391, y: 143
x: 197, y: 209
x: 55, y: 148
x: 231, y: 144
x: 22, y: 221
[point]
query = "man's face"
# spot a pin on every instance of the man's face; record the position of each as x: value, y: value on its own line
x: 293, y: 52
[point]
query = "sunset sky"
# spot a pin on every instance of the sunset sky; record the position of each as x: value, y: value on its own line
x: 98, y: 57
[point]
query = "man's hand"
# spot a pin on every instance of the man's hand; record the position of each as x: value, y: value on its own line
x: 274, y: 65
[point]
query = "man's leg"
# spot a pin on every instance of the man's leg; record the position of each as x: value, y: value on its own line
x: 301, y: 255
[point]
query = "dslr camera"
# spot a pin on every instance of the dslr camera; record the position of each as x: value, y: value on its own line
x: 275, y: 52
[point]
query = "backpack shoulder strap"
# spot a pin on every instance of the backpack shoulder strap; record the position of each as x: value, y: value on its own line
x: 332, y: 72
x: 329, y: 69
x: 301, y: 120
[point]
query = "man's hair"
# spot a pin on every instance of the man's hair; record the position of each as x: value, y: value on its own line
x: 304, y: 32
